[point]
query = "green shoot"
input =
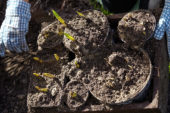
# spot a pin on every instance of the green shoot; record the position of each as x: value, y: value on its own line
x: 59, y: 18
x: 97, y: 6
x: 69, y: 36
x: 80, y: 14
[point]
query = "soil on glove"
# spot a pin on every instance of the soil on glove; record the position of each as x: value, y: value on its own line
x: 136, y: 27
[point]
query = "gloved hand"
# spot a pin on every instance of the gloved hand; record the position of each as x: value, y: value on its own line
x: 164, y: 23
x: 15, y: 27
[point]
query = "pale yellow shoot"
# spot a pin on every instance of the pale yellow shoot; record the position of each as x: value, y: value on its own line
x: 77, y: 65
x: 127, y: 78
x: 36, y: 74
x: 69, y: 36
x: 37, y: 59
x: 80, y: 14
x: 73, y: 94
x: 144, y: 33
x: 41, y: 89
x: 56, y: 57
x: 60, y: 32
x: 130, y: 67
x: 48, y: 75
x: 46, y: 35
x: 59, y: 18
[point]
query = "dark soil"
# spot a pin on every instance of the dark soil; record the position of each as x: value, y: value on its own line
x: 136, y: 27
x: 16, y: 69
x: 49, y: 38
x: 119, y: 76
x: 90, y: 32
x: 50, y: 98
x: 77, y: 94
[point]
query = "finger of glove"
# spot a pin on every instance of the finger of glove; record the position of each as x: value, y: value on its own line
x: 6, y: 38
x: 23, y: 44
x: 11, y: 40
x: 161, y: 26
x: 14, y: 40
x: 2, y: 48
x: 8, y: 44
x: 16, y: 45
x: 168, y: 37
x: 168, y: 41
x: 168, y: 31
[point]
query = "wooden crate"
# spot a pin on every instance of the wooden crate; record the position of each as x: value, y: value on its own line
x: 157, y: 103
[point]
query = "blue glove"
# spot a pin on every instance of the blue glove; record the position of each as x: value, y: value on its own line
x: 164, y: 24
x: 15, y: 27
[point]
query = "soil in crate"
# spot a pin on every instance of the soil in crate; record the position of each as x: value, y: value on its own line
x: 89, y: 31
x: 136, y: 27
x: 119, y: 76
x: 76, y: 94
x: 20, y: 82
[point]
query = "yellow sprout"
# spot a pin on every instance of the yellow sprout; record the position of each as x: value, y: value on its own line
x: 124, y: 19
x: 36, y: 74
x: 144, y: 33
x: 127, y: 78
x: 111, y: 78
x: 73, y: 94
x: 56, y: 57
x: 127, y: 60
x: 141, y: 23
x: 60, y: 32
x: 130, y: 67
x: 77, y: 65
x: 37, y: 59
x: 80, y: 14
x: 41, y: 89
x: 46, y: 35
x: 69, y: 36
x: 129, y: 15
x: 110, y: 84
x: 48, y: 75
x: 59, y: 18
